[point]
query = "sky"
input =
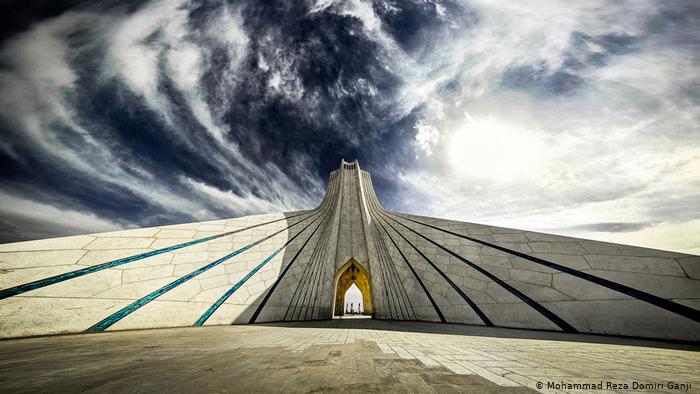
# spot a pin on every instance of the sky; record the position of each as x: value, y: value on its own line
x: 574, y: 118
x: 353, y: 296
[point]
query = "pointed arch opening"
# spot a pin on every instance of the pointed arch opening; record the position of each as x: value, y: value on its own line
x: 352, y: 272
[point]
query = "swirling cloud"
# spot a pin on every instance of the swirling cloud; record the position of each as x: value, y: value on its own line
x: 579, y: 119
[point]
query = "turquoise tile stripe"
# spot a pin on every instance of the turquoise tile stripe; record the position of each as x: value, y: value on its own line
x: 205, y: 316
x: 13, y: 291
x: 127, y: 310
x: 280, y: 277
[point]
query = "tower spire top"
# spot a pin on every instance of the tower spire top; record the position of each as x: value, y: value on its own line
x: 349, y: 165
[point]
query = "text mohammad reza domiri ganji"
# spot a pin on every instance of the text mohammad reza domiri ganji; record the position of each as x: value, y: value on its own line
x: 686, y: 386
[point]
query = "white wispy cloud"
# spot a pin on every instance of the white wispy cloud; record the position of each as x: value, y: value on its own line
x: 143, y: 49
x: 576, y: 118
x: 39, y: 220
x: 615, y: 149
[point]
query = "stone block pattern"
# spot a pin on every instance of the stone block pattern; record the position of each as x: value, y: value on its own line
x: 283, y: 267
x: 346, y: 356
x: 76, y: 304
x: 594, y: 287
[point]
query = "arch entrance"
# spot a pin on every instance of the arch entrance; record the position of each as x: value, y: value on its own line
x: 352, y: 272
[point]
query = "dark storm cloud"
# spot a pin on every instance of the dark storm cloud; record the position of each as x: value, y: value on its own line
x: 19, y: 15
x: 539, y: 78
x: 585, y: 51
x: 334, y: 92
x: 676, y: 25
x: 415, y: 25
x: 612, y: 227
x: 124, y: 114
x: 289, y: 90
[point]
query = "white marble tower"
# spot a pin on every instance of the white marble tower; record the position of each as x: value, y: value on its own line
x: 297, y: 266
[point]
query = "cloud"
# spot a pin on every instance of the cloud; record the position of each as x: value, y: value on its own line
x: 681, y: 237
x: 573, y: 123
x: 426, y: 137
x: 23, y: 219
x: 613, y: 227
x: 572, y: 118
x: 115, y: 104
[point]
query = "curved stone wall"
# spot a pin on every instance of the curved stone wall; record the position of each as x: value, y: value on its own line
x: 282, y: 267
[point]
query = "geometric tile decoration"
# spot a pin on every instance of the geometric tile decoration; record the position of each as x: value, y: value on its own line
x: 287, y: 266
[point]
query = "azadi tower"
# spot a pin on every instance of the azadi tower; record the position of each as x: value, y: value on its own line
x: 297, y: 266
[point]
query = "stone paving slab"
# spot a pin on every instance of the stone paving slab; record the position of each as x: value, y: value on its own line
x: 340, y: 355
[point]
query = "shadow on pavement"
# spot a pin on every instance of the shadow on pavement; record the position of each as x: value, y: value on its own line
x: 481, y: 331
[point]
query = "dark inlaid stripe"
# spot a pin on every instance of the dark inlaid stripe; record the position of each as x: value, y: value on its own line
x: 316, y: 285
x: 459, y: 291
x: 388, y: 301
x: 408, y: 305
x: 305, y: 282
x: 387, y: 283
x: 393, y: 275
x: 388, y: 262
x: 127, y: 310
x: 384, y: 274
x: 422, y: 285
x: 308, y: 294
x: 280, y: 277
x: 310, y: 282
x: 385, y: 280
x: 13, y: 291
x: 205, y: 316
x: 670, y: 306
x: 532, y: 303
x: 376, y: 207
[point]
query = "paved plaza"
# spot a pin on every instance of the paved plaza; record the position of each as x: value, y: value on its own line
x: 340, y: 355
